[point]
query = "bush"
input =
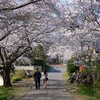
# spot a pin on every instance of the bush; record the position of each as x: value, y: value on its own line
x: 21, y: 73
x: 16, y: 78
x: 97, y: 63
x: 47, y: 67
x: 71, y: 67
x: 38, y: 62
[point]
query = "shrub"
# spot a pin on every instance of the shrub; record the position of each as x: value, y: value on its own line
x: 16, y: 78
x: 38, y: 62
x: 47, y: 67
x: 21, y: 73
x: 71, y: 67
x: 97, y: 63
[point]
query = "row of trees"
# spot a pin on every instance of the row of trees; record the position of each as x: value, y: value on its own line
x: 80, y: 27
x: 23, y: 24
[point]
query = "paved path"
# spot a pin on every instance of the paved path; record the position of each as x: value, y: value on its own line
x: 55, y: 87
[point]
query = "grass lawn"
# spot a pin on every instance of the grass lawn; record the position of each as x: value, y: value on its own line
x: 12, y: 93
x: 18, y: 89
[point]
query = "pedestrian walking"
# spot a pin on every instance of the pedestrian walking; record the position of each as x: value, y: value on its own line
x: 37, y: 76
x: 44, y: 78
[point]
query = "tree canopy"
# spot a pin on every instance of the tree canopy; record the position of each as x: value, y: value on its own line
x: 60, y: 26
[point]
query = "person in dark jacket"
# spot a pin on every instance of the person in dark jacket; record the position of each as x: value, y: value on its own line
x: 37, y: 76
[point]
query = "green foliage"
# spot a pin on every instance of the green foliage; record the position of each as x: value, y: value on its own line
x: 71, y: 67
x: 38, y: 62
x: 21, y: 73
x: 17, y: 73
x: 97, y: 63
x: 11, y: 93
x: 4, y: 93
x: 38, y: 52
x: 97, y: 85
x: 47, y: 67
x: 16, y: 78
x: 87, y: 91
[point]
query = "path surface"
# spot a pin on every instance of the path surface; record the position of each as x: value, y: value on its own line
x: 55, y: 87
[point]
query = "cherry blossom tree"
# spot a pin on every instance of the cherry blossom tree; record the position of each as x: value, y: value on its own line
x: 20, y: 29
x: 83, y: 19
x: 69, y: 26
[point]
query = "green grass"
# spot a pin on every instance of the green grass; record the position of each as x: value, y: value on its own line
x: 87, y: 91
x: 15, y: 79
x: 14, y: 92
x: 65, y: 74
x: 80, y: 93
x: 11, y: 93
x: 6, y: 92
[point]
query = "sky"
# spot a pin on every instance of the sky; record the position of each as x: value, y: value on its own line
x: 63, y: 0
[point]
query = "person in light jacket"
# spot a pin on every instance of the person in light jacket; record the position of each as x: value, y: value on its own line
x: 44, y: 78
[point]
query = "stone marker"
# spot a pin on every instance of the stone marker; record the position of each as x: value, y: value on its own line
x: 1, y: 81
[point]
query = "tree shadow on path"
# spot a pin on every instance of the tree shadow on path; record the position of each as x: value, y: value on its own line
x: 54, y: 69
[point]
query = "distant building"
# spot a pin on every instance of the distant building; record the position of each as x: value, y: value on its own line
x: 50, y: 59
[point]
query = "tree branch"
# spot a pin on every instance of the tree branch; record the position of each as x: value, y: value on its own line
x: 21, y: 6
x: 19, y: 54
x: 1, y: 55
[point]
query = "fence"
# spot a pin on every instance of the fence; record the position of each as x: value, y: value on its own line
x: 28, y: 67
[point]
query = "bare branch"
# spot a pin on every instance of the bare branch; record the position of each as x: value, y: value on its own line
x: 21, y: 6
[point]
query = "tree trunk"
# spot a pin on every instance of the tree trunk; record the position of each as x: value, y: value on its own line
x: 7, y: 81
x: 6, y: 76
